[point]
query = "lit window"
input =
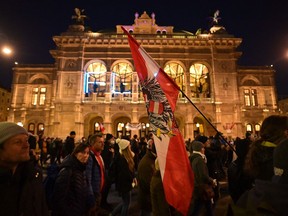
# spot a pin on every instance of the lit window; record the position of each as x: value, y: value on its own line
x: 122, y: 78
x: 34, y: 96
x: 249, y: 128
x: 257, y: 127
x: 199, y: 80
x: 42, y: 96
x: 40, y: 128
x: 95, y: 79
x: 253, y: 97
x: 31, y: 128
x: 97, y: 127
x: 250, y: 97
x: 38, y: 97
x: 176, y: 72
x: 247, y: 97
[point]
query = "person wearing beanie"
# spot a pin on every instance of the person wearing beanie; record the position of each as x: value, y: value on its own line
x: 124, y: 176
x: 21, y: 186
x: 201, y: 178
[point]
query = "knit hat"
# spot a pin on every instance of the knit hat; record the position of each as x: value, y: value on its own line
x: 123, y: 144
x: 10, y: 129
x: 109, y: 136
x: 197, y: 145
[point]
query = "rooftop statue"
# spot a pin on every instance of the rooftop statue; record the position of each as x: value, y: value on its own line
x: 216, y: 17
x: 79, y: 17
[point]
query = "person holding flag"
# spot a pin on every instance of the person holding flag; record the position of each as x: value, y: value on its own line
x: 161, y: 94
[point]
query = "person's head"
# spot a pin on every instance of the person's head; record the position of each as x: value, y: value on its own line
x: 96, y: 142
x: 259, y: 160
x: 81, y: 152
x: 73, y: 134
x: 14, y: 146
x: 123, y: 144
x: 274, y: 128
x: 202, y: 139
x: 198, y: 146
x: 125, y: 150
x: 110, y: 139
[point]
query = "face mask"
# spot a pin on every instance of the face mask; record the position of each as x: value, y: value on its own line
x: 112, y: 142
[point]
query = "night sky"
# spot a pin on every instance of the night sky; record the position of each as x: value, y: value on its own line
x: 29, y: 25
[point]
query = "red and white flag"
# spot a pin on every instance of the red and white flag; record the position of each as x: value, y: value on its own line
x: 158, y: 87
x: 155, y: 107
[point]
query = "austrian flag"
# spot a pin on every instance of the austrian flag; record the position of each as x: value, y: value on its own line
x: 161, y: 95
x: 156, y: 107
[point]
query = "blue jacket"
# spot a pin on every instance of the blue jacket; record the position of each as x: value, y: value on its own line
x: 93, y: 174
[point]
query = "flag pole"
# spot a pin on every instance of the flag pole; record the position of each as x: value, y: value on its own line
x: 218, y: 133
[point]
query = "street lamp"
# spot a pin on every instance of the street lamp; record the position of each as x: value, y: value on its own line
x: 6, y: 50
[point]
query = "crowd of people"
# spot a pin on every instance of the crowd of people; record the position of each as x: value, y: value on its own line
x: 255, y: 167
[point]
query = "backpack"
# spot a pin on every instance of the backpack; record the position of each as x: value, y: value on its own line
x: 49, y: 182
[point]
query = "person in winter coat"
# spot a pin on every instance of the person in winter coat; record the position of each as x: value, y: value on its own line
x: 107, y: 155
x: 22, y: 192
x: 158, y: 201
x: 238, y: 180
x: 125, y: 176
x: 201, y: 177
x: 95, y: 173
x: 146, y: 168
x: 71, y: 188
x: 268, y: 197
x: 259, y: 161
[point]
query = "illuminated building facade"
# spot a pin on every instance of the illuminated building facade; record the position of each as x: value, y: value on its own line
x: 93, y: 83
x: 5, y: 96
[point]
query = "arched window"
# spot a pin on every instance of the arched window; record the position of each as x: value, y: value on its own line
x: 95, y: 79
x: 248, y: 128
x: 176, y: 72
x: 121, y: 79
x: 123, y: 130
x: 257, y: 129
x: 145, y: 129
x: 31, y: 128
x: 40, y: 129
x: 98, y: 127
x: 199, y: 80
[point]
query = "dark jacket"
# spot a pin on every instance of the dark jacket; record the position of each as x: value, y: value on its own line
x: 201, y: 174
x: 26, y: 187
x: 124, y: 177
x: 69, y: 145
x: 70, y: 190
x: 238, y: 180
x: 146, y: 168
x: 159, y: 204
x: 266, y: 198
